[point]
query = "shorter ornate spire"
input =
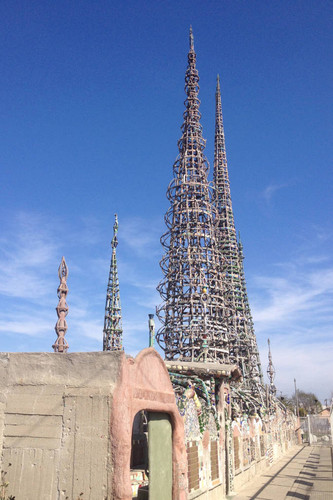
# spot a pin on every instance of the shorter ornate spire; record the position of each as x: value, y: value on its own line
x: 113, y: 332
x: 61, y: 344
x: 271, y: 369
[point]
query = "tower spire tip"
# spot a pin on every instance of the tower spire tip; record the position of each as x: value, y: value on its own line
x: 218, y: 83
x: 191, y: 39
x: 114, y: 241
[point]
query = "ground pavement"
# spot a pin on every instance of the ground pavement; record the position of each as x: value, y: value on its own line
x: 305, y: 473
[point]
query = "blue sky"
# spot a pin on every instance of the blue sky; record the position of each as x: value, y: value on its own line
x: 91, y: 107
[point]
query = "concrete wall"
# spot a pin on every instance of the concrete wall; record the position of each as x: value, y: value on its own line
x: 66, y: 423
x: 54, y: 423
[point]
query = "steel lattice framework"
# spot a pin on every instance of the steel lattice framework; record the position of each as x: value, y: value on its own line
x: 193, y: 311
x: 243, y: 345
x: 113, y: 332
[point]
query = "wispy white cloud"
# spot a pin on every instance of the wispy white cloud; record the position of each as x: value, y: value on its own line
x: 294, y: 308
x: 270, y: 191
x: 141, y: 236
x: 286, y: 299
x: 313, y: 259
x: 88, y: 327
x: 312, y: 367
x: 89, y: 232
x: 149, y: 301
x: 26, y: 326
x: 27, y: 254
x: 136, y: 276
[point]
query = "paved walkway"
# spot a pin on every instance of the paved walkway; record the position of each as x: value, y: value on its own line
x: 305, y: 473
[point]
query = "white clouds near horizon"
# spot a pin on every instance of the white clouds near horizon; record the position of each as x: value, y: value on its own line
x: 293, y: 306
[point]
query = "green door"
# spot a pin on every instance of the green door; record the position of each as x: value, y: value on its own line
x: 160, y: 456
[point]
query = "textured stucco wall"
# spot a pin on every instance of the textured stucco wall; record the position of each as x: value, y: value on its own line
x: 66, y: 423
x: 55, y: 423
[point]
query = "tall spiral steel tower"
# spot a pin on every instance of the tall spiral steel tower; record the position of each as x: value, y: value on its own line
x: 113, y: 332
x: 242, y: 341
x: 193, y: 311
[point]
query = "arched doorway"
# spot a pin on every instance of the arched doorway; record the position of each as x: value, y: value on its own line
x: 139, y: 469
x: 151, y: 456
x: 144, y: 384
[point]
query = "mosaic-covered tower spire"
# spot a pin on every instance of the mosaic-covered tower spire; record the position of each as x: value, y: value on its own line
x: 113, y: 332
x: 240, y: 326
x: 227, y: 239
x: 254, y: 372
x: 192, y: 313
x: 61, y: 327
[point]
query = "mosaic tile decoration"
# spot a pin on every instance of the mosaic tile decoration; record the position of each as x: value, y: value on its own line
x: 191, y: 421
x: 213, y: 432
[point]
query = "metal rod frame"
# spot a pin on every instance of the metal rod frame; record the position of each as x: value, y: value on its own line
x: 243, y: 349
x: 194, y: 326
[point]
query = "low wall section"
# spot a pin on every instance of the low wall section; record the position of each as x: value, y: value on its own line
x: 55, y: 417
x: 66, y: 423
x: 258, y: 443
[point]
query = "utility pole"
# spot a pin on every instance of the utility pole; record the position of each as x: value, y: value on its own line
x: 296, y: 399
x: 151, y: 325
x: 309, y: 430
x: 299, y: 435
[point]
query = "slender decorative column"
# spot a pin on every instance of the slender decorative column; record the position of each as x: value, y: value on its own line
x: 61, y: 344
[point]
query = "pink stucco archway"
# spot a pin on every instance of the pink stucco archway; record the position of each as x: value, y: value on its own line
x: 144, y: 384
